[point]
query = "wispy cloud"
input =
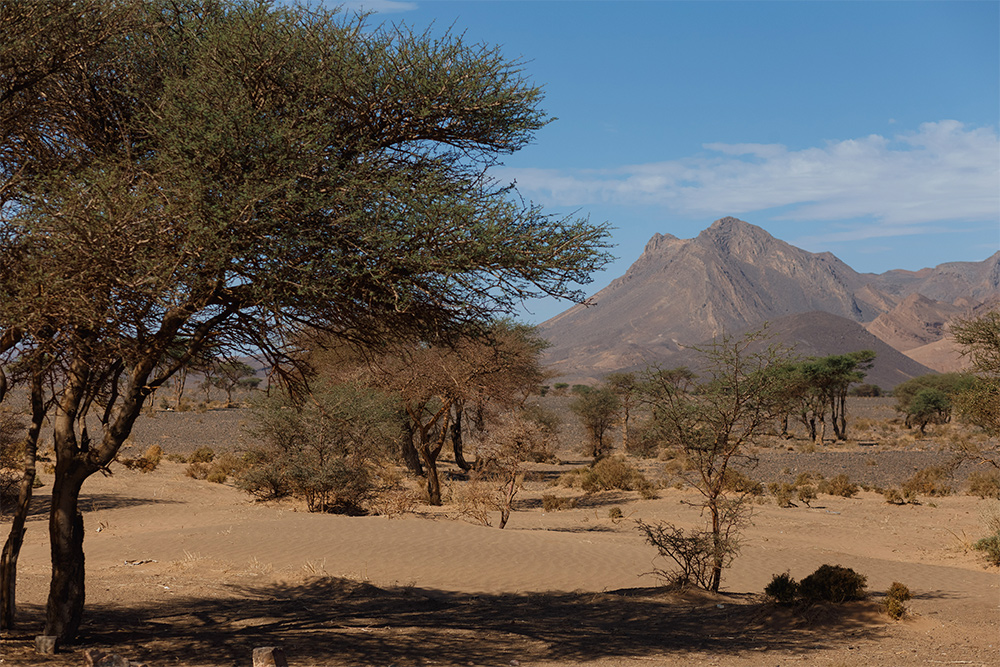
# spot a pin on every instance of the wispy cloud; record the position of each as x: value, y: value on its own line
x: 944, y: 171
x: 379, y: 6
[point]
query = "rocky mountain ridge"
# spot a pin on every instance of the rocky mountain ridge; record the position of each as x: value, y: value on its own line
x: 735, y: 276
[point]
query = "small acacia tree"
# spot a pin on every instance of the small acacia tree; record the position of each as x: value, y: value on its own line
x: 713, y: 423
x: 979, y: 402
x: 228, y: 173
x: 497, y: 370
x: 326, y: 448
x: 597, y: 409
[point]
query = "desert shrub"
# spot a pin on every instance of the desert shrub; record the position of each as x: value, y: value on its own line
x: 551, y: 503
x: 806, y: 494
x: 893, y: 496
x: 738, y: 482
x: 198, y: 470
x: 782, y: 493
x: 326, y: 450
x: 898, y: 591
x: 216, y: 476
x: 984, y: 484
x: 202, y: 455
x: 692, y: 553
x: 808, y: 477
x: 929, y: 482
x: 147, y: 462
x: 783, y: 589
x: 895, y: 600
x: 833, y: 583
x: 174, y: 457
x: 838, y: 486
x: 615, y: 513
x: 990, y: 547
x: 615, y: 473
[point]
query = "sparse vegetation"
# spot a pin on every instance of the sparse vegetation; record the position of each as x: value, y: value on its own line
x: 894, y: 603
x: 985, y: 484
x: 783, y: 589
x: 840, y: 485
x: 928, y: 482
x: 833, y: 583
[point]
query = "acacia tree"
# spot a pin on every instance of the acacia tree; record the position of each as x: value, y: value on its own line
x: 225, y: 173
x: 979, y: 402
x: 713, y: 423
x: 498, y: 370
x: 597, y: 410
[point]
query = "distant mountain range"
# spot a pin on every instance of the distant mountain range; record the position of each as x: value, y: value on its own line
x: 734, y: 277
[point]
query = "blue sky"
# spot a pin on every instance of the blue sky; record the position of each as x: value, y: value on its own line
x: 867, y: 129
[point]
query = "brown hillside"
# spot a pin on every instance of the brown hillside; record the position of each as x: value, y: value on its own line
x: 732, y: 277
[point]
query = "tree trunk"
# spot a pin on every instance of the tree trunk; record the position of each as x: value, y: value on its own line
x: 66, y: 591
x: 456, y: 439
x: 717, y: 556
x: 429, y: 456
x: 843, y: 417
x: 410, y: 455
x: 12, y: 547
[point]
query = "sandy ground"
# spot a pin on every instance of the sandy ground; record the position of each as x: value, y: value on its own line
x: 186, y: 572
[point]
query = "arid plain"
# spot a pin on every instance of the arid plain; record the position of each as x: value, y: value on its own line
x: 188, y: 572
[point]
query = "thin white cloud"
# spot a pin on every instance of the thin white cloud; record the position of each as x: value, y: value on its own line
x: 379, y: 6
x: 944, y: 171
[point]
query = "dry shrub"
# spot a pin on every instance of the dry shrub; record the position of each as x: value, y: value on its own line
x: 834, y: 583
x: 782, y: 493
x: 895, y: 599
x: 985, y: 484
x: 783, y: 589
x: 552, y: 503
x: 990, y: 545
x: 806, y: 494
x: 148, y: 462
x: 929, y: 482
x: 693, y: 553
x: 838, y: 486
x: 202, y: 455
x: 198, y: 470
x: 615, y: 473
x: 738, y: 482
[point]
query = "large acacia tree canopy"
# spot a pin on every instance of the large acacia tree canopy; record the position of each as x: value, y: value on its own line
x: 271, y: 164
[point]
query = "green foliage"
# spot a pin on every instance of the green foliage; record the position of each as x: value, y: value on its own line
x: 928, y: 399
x: 783, y: 589
x: 866, y: 391
x: 714, y: 422
x: 990, y: 547
x: 597, y: 410
x: 834, y: 583
x: 325, y: 450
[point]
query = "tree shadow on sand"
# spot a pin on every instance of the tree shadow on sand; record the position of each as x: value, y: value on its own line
x: 330, y: 621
